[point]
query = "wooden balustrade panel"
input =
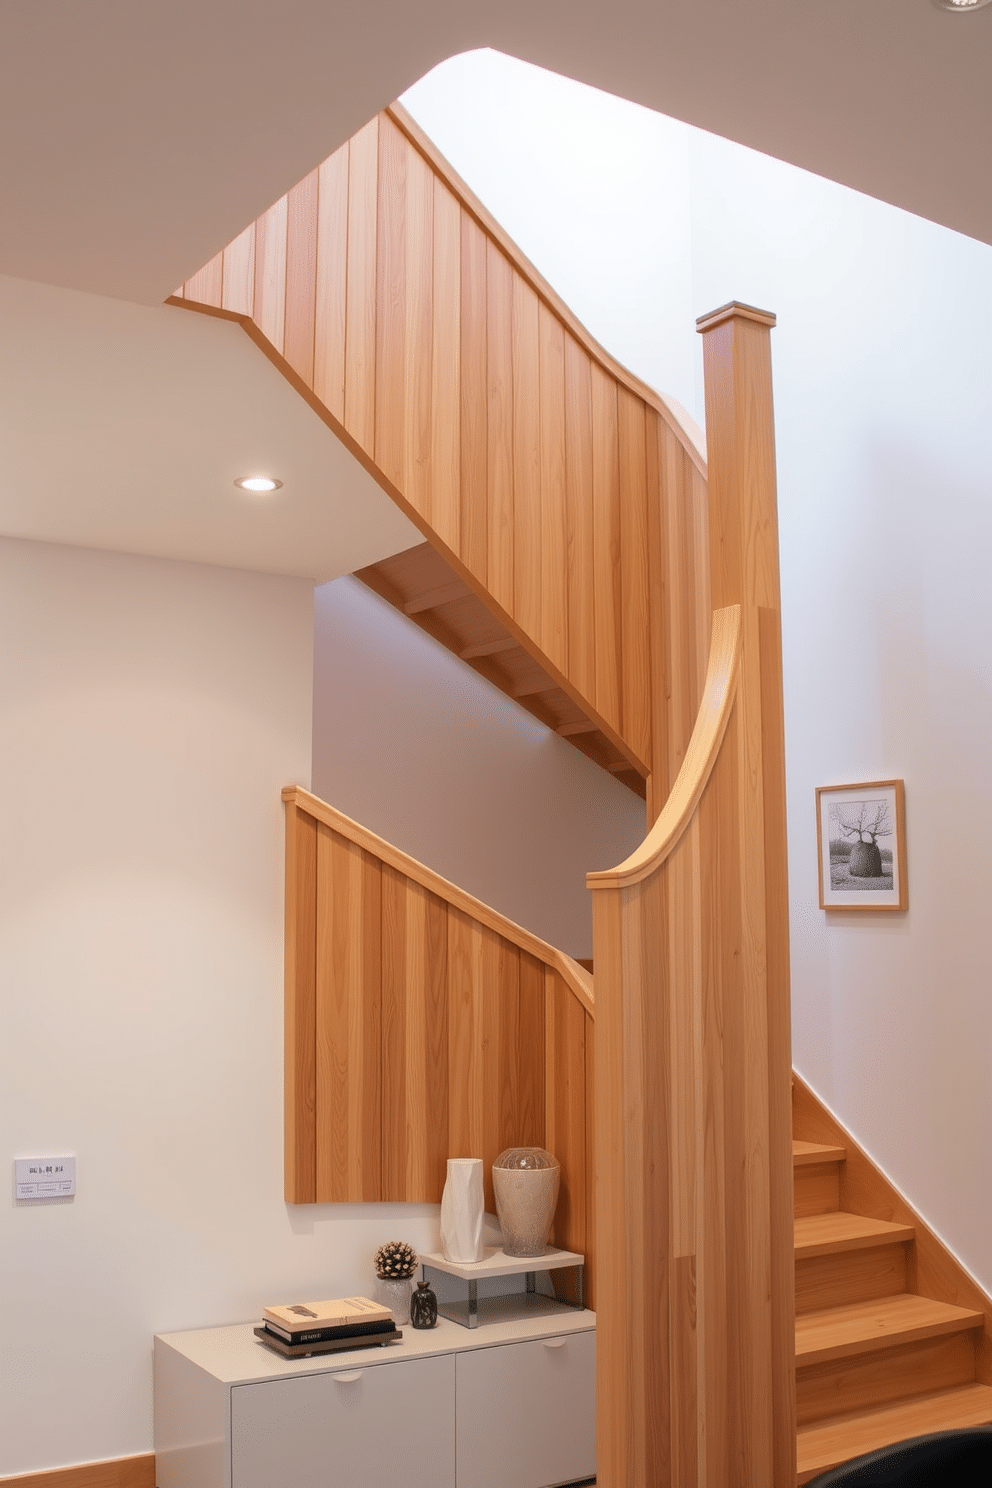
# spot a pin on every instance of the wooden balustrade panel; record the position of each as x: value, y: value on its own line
x: 415, y: 1037
x: 348, y: 1021
x: 561, y: 489
x: 421, y: 1025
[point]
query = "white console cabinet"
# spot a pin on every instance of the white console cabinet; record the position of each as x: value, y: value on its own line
x: 510, y: 1405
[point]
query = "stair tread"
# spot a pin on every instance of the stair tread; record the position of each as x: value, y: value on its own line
x: 827, y: 1234
x: 826, y: 1444
x: 864, y: 1327
x: 804, y: 1153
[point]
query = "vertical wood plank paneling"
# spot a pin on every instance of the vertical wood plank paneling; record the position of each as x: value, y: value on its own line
x: 331, y: 273
x: 207, y: 285
x: 414, y: 1041
x: 270, y: 274
x: 526, y: 458
x: 465, y: 994
x: 635, y: 632
x: 239, y: 273
x: 446, y: 387
x: 554, y: 516
x: 474, y: 361
x: 348, y: 1022
x: 418, y: 371
x: 606, y: 545
x: 499, y: 483
x: 500, y: 1087
x: 527, y: 1128
x: 565, y: 1119
x: 301, y: 276
x: 590, y: 1179
x: 659, y: 783
x: 300, y: 1047
x: 580, y: 565
x: 391, y: 430
x: 360, y: 344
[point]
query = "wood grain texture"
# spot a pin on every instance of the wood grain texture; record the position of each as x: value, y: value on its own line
x: 825, y: 1444
x: 349, y: 1014
x: 428, y: 343
x: 300, y: 1034
x: 499, y: 409
x: 301, y: 276
x: 269, y: 312
x: 238, y: 295
x: 119, y: 1472
x: 362, y: 280
x: 931, y: 1269
x: 693, y: 1147
x: 414, y: 1040
x: 331, y: 282
x: 441, y: 1029
x: 841, y: 1388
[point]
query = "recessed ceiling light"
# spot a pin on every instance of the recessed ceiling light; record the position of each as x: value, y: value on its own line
x: 261, y: 483
x: 959, y: 7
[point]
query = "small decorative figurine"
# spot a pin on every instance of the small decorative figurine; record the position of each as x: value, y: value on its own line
x: 395, y: 1263
x: 423, y: 1306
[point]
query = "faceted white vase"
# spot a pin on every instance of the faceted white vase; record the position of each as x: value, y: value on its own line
x: 462, y: 1207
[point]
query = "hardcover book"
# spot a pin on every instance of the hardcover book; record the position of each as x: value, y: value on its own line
x: 339, y: 1312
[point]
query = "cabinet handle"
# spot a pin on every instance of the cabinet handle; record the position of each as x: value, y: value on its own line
x: 553, y: 1343
x: 348, y: 1379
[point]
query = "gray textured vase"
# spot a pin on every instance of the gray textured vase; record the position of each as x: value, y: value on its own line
x: 526, y: 1181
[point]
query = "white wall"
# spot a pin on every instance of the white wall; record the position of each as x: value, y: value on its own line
x: 594, y: 189
x: 413, y: 743
x: 883, y: 368
x: 150, y: 713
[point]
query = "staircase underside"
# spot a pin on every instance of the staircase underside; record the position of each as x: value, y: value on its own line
x: 421, y: 585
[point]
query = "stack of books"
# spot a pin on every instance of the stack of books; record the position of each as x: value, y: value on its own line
x: 302, y: 1328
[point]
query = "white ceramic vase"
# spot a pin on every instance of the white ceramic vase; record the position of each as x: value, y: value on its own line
x: 462, y: 1206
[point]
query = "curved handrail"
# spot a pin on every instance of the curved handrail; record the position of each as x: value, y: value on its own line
x: 677, y: 417
x: 576, y: 978
x: 719, y: 692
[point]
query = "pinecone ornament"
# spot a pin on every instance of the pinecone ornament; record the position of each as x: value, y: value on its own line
x: 395, y: 1261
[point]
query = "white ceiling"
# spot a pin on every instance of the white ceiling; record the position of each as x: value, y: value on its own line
x: 137, y: 139
x: 124, y: 427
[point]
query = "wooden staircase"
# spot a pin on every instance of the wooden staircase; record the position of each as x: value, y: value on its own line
x: 876, y: 1359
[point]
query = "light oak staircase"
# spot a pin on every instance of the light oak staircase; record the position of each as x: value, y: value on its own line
x: 877, y: 1360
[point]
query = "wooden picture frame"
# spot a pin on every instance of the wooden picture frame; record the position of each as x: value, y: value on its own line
x: 869, y: 822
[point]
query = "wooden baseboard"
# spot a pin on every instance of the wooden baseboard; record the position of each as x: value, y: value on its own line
x: 120, y: 1472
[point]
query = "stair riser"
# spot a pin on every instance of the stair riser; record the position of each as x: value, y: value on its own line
x: 817, y: 1189
x: 824, y: 1390
x: 852, y: 1276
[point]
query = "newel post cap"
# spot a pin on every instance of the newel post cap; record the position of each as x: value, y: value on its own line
x: 734, y: 311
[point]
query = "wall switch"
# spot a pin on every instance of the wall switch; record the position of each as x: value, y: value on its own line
x: 44, y: 1177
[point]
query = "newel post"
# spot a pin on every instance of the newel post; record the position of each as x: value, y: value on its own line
x: 693, y: 1145
x: 744, y: 570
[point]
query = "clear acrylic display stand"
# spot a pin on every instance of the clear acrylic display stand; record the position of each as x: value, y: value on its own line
x: 472, y: 1309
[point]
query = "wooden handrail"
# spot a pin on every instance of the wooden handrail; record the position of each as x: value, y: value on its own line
x: 676, y: 416
x: 577, y: 979
x: 719, y: 692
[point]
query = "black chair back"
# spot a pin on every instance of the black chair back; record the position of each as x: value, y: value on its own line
x: 945, y: 1459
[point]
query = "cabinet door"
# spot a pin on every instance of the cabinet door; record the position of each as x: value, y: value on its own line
x: 527, y: 1413
x: 367, y: 1427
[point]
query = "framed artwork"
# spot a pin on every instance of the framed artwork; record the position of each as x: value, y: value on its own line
x: 861, y: 841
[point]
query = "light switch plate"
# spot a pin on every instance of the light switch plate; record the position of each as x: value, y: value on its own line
x: 44, y: 1177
